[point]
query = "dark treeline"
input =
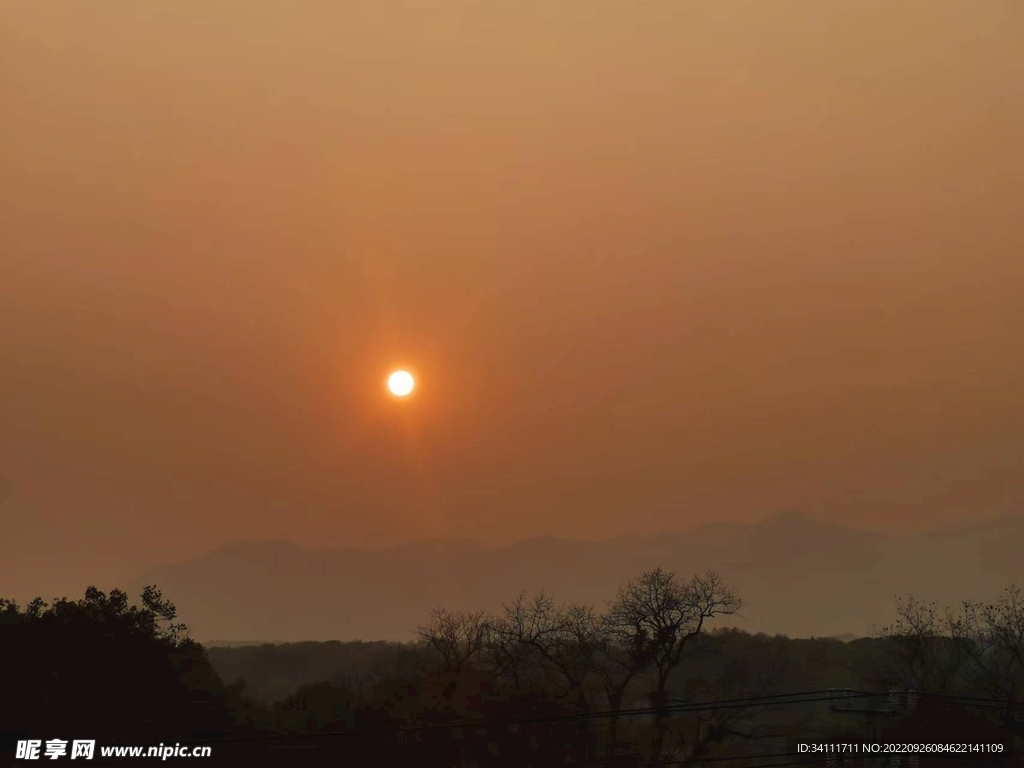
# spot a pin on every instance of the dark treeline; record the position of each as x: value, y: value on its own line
x: 646, y: 680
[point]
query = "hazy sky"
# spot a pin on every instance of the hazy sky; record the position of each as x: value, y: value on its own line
x: 654, y: 263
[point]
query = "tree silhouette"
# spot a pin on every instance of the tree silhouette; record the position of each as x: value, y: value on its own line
x: 456, y: 637
x: 659, y: 616
x: 101, y: 668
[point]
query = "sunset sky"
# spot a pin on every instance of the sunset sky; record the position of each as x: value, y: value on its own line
x: 653, y: 264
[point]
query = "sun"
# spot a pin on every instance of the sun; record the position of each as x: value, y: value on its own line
x: 401, y: 383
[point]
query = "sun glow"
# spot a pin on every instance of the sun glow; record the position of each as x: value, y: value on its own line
x: 401, y: 383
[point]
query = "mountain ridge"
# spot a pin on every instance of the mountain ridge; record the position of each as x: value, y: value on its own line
x: 798, y: 575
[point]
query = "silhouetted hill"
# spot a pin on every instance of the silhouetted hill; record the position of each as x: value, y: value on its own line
x: 797, y: 575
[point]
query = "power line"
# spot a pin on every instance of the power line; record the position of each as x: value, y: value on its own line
x: 782, y: 699
x: 749, y: 702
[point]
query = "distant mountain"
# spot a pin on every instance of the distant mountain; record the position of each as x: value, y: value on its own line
x: 797, y: 576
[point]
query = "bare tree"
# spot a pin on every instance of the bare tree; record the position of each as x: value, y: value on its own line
x: 455, y: 636
x: 981, y: 645
x: 539, y: 637
x: 925, y: 650
x: 515, y: 632
x: 625, y: 654
x: 749, y: 672
x: 658, y: 616
x: 994, y: 635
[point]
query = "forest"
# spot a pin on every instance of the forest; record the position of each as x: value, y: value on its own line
x: 650, y: 678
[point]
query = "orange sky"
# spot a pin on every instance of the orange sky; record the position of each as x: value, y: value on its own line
x: 656, y: 264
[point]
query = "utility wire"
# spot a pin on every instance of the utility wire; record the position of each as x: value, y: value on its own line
x: 782, y: 699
